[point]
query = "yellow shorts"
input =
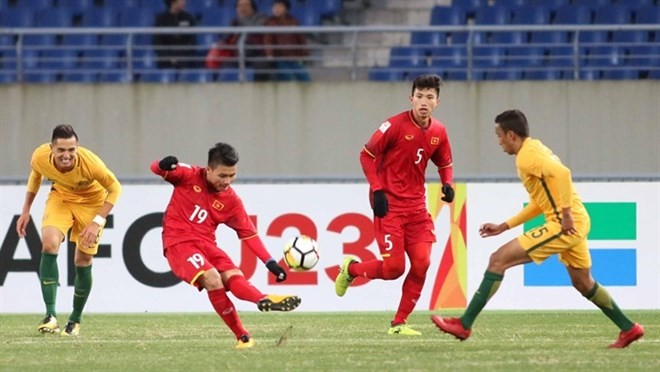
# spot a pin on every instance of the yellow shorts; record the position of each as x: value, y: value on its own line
x: 543, y: 241
x: 64, y: 215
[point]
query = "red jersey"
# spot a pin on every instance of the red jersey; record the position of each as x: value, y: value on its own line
x: 195, y: 210
x: 396, y: 156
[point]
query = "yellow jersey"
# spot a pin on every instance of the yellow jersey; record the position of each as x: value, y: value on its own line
x: 548, y: 183
x: 89, y: 178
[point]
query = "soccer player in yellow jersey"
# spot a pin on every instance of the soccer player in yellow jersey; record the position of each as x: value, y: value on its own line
x: 82, y: 195
x: 565, y: 231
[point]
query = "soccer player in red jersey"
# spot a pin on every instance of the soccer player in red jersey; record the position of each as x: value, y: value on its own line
x: 202, y: 199
x: 394, y: 162
x: 564, y: 232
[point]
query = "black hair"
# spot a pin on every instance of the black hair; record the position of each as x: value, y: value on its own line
x: 64, y: 131
x: 430, y: 81
x: 515, y: 121
x: 222, y: 154
x: 286, y: 3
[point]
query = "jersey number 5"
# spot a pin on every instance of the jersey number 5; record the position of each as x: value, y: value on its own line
x: 419, y: 155
x: 199, y: 213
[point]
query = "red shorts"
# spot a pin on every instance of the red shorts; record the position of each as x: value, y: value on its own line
x: 398, y: 230
x: 189, y: 260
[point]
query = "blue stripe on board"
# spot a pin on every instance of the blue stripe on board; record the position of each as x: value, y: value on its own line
x: 616, y: 267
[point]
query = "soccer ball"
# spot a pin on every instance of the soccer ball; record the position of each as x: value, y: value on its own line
x: 301, y: 253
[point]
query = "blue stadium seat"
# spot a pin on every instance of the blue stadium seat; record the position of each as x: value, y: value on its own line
x: 34, y: 4
x: 505, y: 73
x: 328, y: 8
x: 39, y: 77
x: 488, y: 56
x: 7, y: 76
x: 137, y: 17
x: 572, y: 15
x: 427, y: 40
x: 18, y: 17
x: 159, y: 76
x: 123, y: 4
x: 228, y: 75
x: 81, y: 40
x: 385, y: 74
x: 39, y: 40
x: 75, y: 6
x: 100, y: 17
x: 53, y: 18
x: 409, y: 60
x: 549, y: 37
x: 469, y: 7
x: 531, y: 15
x: 307, y: 16
x: 552, y: 5
x: 562, y: 59
x: 217, y: 17
x: 116, y: 77
x: 525, y: 56
x: 97, y: 60
x: 593, y: 4
x: 143, y: 59
x: 58, y: 59
x: 643, y: 58
x: 509, y: 37
x: 613, y: 14
x: 196, y: 76
x: 450, y: 62
x: 80, y: 77
x: 199, y: 7
x: 492, y: 15
x: 511, y: 4
x: 447, y: 16
x: 600, y: 59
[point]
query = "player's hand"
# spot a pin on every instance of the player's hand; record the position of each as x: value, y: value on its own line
x: 449, y: 193
x: 381, y: 206
x: 21, y: 224
x: 90, y: 235
x: 491, y: 229
x: 168, y: 163
x: 277, y: 270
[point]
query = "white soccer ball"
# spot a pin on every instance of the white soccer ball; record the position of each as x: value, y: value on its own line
x: 301, y: 253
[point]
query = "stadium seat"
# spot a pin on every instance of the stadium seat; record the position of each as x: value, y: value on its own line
x: 116, y: 77
x: 76, y: 6
x: 217, y: 17
x: 447, y: 16
x: 572, y: 15
x: 100, y: 17
x: 530, y: 15
x: 613, y: 14
x: 427, y: 40
x: 506, y: 73
x: 385, y: 74
x: 492, y: 15
x: 552, y: 5
x: 543, y: 74
x: 593, y: 4
x: 197, y: 8
x: 469, y: 7
x: 196, y: 76
x: 143, y: 59
x: 562, y: 58
x: 159, y: 76
x: 39, y: 77
x: 98, y: 60
x: 643, y: 58
x: 450, y: 62
x: 511, y: 4
x: 124, y: 4
x: 136, y: 17
x: 409, y: 60
x: 7, y: 76
x: 58, y: 59
x: 638, y: 3
x: 525, y: 56
x: 53, y: 18
x: 34, y: 4
x: 18, y: 17
x: 79, y: 77
x: 80, y: 40
x: 328, y: 8
x: 233, y: 75
x: 509, y: 37
x: 306, y: 16
x: 602, y: 58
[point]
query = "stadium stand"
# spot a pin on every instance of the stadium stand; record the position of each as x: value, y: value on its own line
x: 566, y: 51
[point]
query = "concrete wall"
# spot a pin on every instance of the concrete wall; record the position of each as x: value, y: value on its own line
x: 292, y: 130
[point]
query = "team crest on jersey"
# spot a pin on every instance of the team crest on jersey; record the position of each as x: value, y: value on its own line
x: 409, y: 137
x: 385, y: 126
x: 197, y: 188
x: 217, y: 205
x: 435, y: 140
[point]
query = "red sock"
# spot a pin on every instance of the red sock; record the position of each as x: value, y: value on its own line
x: 420, y: 255
x: 225, y: 308
x: 412, y: 289
x: 241, y: 288
x: 371, y: 269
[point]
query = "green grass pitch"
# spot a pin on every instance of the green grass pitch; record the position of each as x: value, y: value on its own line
x: 349, y: 341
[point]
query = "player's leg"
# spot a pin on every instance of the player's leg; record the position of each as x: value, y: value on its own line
x: 235, y: 282
x: 212, y: 282
x: 509, y: 255
x: 82, y: 287
x: 55, y: 223
x: 389, y: 236
x: 594, y: 292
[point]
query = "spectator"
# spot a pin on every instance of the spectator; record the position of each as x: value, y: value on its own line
x: 175, y: 50
x: 247, y: 16
x: 286, y: 50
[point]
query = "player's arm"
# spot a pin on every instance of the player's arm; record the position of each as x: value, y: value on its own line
x: 247, y: 233
x: 376, y: 146
x: 530, y: 211
x: 554, y: 168
x: 442, y: 158
x: 170, y: 169
x: 34, y: 182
